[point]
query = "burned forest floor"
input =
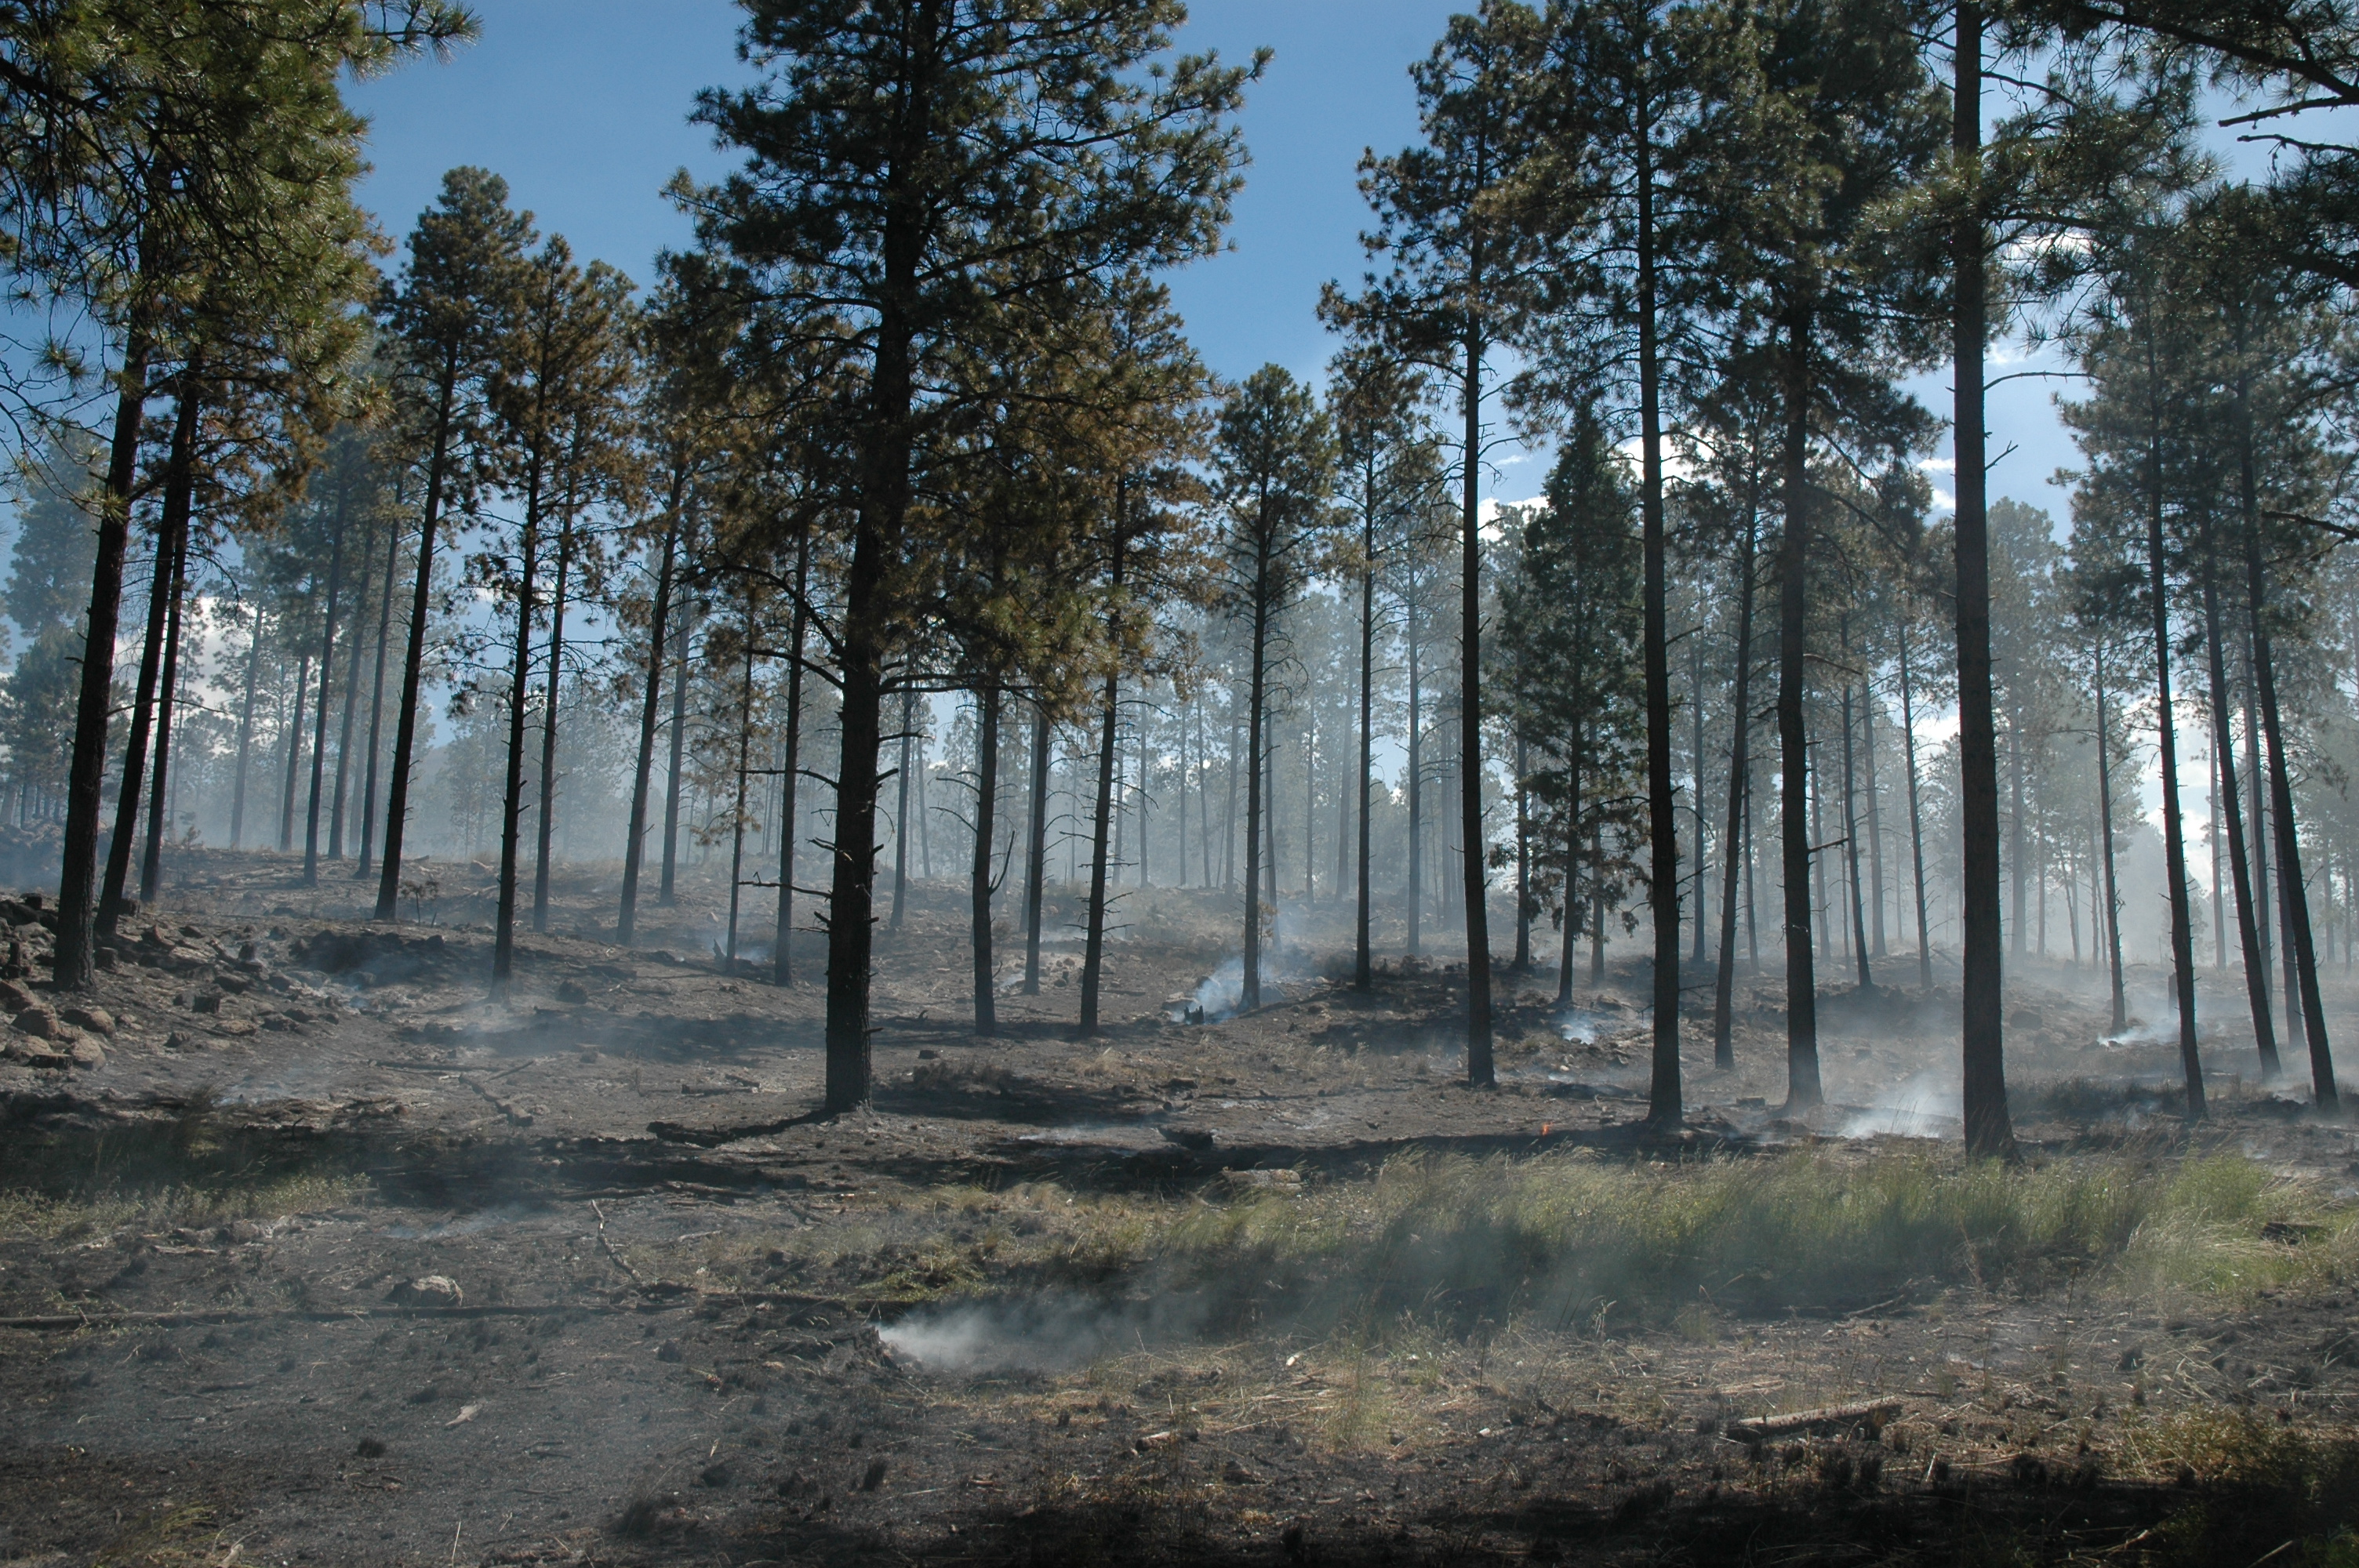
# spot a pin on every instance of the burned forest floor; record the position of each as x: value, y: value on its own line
x: 311, y: 1254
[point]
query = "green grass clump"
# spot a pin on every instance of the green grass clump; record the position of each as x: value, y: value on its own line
x: 1558, y: 1237
x: 188, y: 1169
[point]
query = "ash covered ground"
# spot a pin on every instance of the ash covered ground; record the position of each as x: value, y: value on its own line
x: 311, y: 1254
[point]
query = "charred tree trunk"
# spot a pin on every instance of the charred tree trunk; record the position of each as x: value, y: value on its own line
x: 781, y: 965
x: 1740, y: 786
x: 1035, y: 852
x: 546, y: 828
x: 159, y: 801
x: 73, y: 963
x: 376, y: 708
x: 1363, y: 955
x: 2257, y: 969
x: 327, y: 687
x: 179, y: 475
x: 294, y: 753
x: 737, y: 811
x: 979, y: 879
x: 1982, y: 1035
x: 1916, y: 811
x: 2182, y: 941
x: 1250, y: 997
x: 2324, y: 1095
x: 667, y: 888
x: 519, y: 698
x: 1793, y: 743
x: 1102, y: 838
x: 901, y: 811
x: 651, y: 703
x: 246, y: 733
x: 413, y: 663
x: 2106, y: 816
x: 339, y: 792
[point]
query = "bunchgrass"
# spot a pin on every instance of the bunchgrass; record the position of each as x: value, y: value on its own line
x: 1559, y: 1237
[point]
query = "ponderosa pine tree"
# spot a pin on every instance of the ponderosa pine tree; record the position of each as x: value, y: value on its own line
x: 1273, y: 463
x: 1388, y: 476
x: 445, y: 335
x: 1460, y: 275
x: 914, y: 170
x: 1817, y: 114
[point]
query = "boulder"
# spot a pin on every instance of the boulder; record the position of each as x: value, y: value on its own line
x: 88, y: 1053
x: 14, y: 998
x: 38, y: 1053
x: 97, y: 1020
x: 39, y: 1022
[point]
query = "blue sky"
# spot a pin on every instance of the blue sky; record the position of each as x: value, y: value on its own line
x: 583, y: 105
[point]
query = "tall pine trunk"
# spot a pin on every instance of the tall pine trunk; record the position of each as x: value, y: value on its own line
x: 339, y: 791
x: 668, y: 886
x: 2223, y: 748
x: 519, y: 698
x: 979, y: 881
x: 327, y: 689
x: 1740, y: 788
x: 635, y: 836
x: 1793, y: 743
x: 2324, y: 1095
x: 73, y: 965
x: 546, y: 826
x: 294, y: 753
x: 1982, y: 1034
x: 1102, y: 824
x: 737, y: 809
x: 1850, y: 850
x: 2174, y: 844
x: 781, y: 965
x: 159, y: 801
x: 179, y: 476
x: 413, y: 662
x: 1250, y: 997
x: 246, y: 733
x: 1036, y: 849
x: 901, y: 811
x: 2106, y: 821
x: 376, y: 707
x: 1363, y: 974
x: 1470, y: 733
x: 1916, y: 811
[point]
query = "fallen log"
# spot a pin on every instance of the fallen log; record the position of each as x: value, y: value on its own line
x: 1875, y: 1413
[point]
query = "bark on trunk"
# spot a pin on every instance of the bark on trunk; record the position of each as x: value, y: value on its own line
x: 1036, y: 850
x: 327, y: 687
x: 376, y: 708
x: 246, y: 733
x: 667, y: 889
x: 512, y: 790
x: 1740, y: 786
x: 979, y: 881
x: 2223, y: 727
x: 160, y: 799
x: 546, y: 826
x: 1793, y: 743
x: 635, y: 837
x: 781, y: 965
x: 2106, y: 816
x: 178, y: 476
x: 339, y: 791
x: 74, y: 966
x: 413, y: 663
x: 2182, y: 941
x: 1982, y: 1038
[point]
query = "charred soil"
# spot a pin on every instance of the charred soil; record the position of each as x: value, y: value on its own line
x: 310, y: 1251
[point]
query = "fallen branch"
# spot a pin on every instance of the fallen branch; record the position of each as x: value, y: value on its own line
x: 1877, y: 1412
